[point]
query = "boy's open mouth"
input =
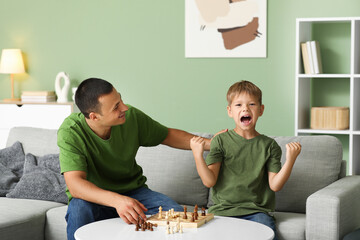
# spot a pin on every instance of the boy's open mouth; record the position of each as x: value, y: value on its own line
x: 245, y: 119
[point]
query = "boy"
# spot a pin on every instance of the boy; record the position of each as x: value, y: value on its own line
x: 243, y: 166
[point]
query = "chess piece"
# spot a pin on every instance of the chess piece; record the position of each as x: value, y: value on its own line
x: 167, y: 229
x: 181, y: 229
x: 203, y: 213
x: 178, y: 224
x: 185, y: 214
x: 160, y: 212
x: 192, y: 217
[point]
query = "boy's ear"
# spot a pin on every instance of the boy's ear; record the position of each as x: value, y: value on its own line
x: 229, y: 111
x: 262, y: 108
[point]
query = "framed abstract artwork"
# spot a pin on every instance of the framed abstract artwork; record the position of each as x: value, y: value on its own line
x: 225, y: 28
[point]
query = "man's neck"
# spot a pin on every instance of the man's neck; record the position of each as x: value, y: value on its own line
x: 100, y: 131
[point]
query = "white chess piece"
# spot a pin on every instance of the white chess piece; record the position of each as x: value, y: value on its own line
x: 62, y: 93
x: 160, y: 212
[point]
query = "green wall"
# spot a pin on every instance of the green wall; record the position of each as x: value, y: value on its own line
x: 139, y: 47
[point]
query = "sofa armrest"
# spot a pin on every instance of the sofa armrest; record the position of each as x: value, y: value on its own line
x: 334, y: 211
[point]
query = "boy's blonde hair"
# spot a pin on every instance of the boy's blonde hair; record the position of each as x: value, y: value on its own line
x: 243, y: 86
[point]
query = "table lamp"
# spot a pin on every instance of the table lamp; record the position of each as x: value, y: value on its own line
x: 11, y: 63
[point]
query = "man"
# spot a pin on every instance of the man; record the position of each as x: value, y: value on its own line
x: 97, y: 157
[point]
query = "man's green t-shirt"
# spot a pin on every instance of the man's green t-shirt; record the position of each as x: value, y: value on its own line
x: 242, y: 187
x: 110, y: 164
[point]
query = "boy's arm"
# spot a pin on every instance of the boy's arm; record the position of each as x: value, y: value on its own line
x: 278, y: 180
x: 208, y: 174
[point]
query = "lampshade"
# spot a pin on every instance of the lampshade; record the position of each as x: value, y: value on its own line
x: 11, y: 61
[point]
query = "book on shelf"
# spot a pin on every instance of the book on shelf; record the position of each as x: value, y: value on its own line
x: 311, y: 57
x: 38, y: 98
x: 315, y: 53
x: 38, y: 93
x: 306, y: 59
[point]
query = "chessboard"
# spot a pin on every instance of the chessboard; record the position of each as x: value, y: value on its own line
x: 179, y: 216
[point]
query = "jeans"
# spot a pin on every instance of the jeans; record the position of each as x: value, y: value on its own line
x: 81, y: 212
x: 262, y: 218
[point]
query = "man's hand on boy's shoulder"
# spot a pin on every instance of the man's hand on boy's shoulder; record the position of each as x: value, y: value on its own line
x: 293, y: 150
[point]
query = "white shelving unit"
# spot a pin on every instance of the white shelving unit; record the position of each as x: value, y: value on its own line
x: 39, y: 115
x: 349, y: 75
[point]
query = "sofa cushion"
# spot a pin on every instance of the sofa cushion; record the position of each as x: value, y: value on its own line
x: 173, y: 172
x: 23, y: 218
x: 37, y: 141
x: 317, y: 166
x: 41, y: 180
x: 55, y: 227
x: 11, y: 167
x: 290, y: 225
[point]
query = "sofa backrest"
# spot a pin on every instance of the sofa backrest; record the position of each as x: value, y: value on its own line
x: 318, y: 165
x: 37, y: 141
x: 173, y: 172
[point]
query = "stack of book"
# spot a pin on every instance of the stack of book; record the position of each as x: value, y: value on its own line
x: 38, y: 96
x: 311, y: 57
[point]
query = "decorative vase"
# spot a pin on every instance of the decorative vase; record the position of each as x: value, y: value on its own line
x: 73, y: 92
x: 62, y: 92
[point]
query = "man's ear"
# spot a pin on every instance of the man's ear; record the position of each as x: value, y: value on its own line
x: 262, y: 108
x: 93, y: 116
x: 229, y: 111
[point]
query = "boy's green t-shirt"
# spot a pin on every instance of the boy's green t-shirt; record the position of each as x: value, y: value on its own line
x: 242, y: 187
x: 110, y: 164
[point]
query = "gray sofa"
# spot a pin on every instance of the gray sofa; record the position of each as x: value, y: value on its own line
x: 318, y: 202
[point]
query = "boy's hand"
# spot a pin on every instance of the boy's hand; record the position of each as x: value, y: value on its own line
x: 197, y: 145
x: 293, y: 149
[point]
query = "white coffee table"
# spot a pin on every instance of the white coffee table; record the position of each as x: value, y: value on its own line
x: 220, y: 228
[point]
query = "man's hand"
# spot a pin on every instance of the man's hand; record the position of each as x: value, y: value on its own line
x: 130, y: 209
x: 293, y: 149
x: 208, y: 141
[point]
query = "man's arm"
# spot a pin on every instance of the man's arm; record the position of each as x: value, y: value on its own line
x: 278, y: 180
x: 128, y: 208
x: 180, y: 139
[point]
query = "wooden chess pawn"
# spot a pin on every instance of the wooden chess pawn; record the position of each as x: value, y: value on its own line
x: 192, y: 217
x: 203, y: 213
x: 185, y: 214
